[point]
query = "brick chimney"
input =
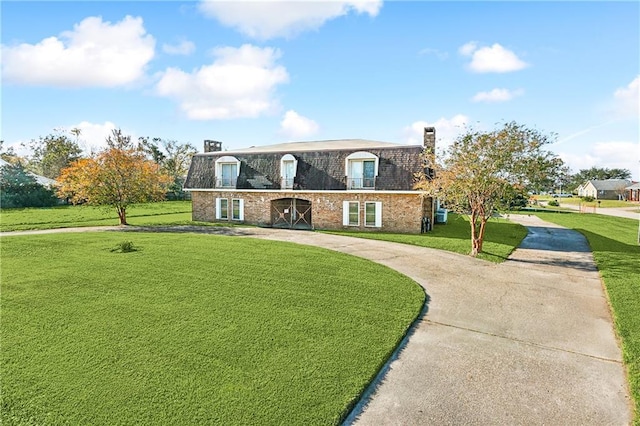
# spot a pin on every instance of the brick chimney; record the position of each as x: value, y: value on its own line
x: 212, y: 146
x: 430, y: 150
x: 430, y: 139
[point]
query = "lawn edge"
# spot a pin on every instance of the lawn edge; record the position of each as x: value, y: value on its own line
x: 355, y: 409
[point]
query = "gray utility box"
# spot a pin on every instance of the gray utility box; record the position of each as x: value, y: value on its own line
x: 441, y: 216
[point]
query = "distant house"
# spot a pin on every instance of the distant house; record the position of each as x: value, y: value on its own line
x: 338, y: 184
x: 633, y: 192
x: 44, y: 181
x: 610, y: 189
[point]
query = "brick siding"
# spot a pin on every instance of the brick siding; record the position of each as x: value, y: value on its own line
x: 400, y: 212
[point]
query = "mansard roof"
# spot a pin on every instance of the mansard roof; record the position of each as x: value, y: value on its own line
x: 321, y: 165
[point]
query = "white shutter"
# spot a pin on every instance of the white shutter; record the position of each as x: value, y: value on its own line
x: 345, y: 213
x: 241, y: 208
x: 217, y: 208
x: 378, y: 214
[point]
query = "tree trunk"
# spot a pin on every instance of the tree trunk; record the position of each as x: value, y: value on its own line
x: 483, y: 223
x: 474, y: 240
x: 122, y: 215
x: 477, y: 234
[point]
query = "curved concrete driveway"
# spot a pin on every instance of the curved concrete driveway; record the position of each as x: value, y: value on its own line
x: 529, y: 341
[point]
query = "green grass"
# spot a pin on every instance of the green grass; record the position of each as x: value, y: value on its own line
x: 577, y: 200
x: 168, y: 212
x: 501, y: 237
x: 191, y: 329
x: 614, y: 242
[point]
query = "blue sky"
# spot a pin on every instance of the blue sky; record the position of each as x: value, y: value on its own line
x: 258, y: 73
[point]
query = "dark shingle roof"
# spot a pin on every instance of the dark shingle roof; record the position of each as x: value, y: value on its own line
x: 321, y: 165
x: 609, y: 184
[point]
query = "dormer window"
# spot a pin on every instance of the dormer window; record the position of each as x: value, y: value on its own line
x: 288, y: 169
x: 361, y: 169
x: 227, y: 172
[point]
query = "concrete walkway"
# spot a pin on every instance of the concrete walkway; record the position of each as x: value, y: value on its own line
x: 529, y: 341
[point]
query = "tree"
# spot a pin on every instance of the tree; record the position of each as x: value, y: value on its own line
x: 563, y: 180
x: 482, y: 172
x: 18, y: 188
x: 544, y: 172
x: 118, y: 176
x: 53, y: 153
x: 9, y: 155
x: 172, y: 156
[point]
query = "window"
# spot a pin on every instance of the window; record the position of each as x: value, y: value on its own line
x: 222, y: 209
x: 227, y: 172
x: 373, y: 214
x: 237, y: 212
x: 228, y: 175
x: 361, y: 169
x: 351, y: 213
x: 288, y: 167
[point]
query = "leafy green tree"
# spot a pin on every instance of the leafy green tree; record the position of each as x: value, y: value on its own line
x: 563, y: 180
x: 173, y: 158
x: 9, y: 155
x: 543, y: 172
x: 484, y: 172
x: 52, y: 153
x: 18, y: 188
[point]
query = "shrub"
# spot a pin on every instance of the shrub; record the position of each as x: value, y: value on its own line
x: 553, y: 203
x: 125, y: 247
x: 588, y: 199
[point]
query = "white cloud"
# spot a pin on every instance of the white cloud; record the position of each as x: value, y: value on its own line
x: 447, y: 129
x: 93, y: 135
x: 94, y: 53
x: 435, y: 52
x: 294, y: 125
x: 613, y: 154
x: 491, y: 59
x: 468, y: 48
x: 265, y: 19
x: 185, y: 47
x: 497, y: 95
x: 239, y: 83
x: 628, y: 98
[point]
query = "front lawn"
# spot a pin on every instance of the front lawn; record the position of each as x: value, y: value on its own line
x: 577, y: 200
x: 501, y: 237
x: 167, y: 212
x: 614, y: 242
x: 191, y: 329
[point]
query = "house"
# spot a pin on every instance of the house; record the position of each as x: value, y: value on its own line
x: 42, y: 180
x: 633, y: 192
x: 339, y: 184
x: 610, y: 189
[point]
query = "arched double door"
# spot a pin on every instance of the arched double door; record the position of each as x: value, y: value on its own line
x: 293, y: 213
